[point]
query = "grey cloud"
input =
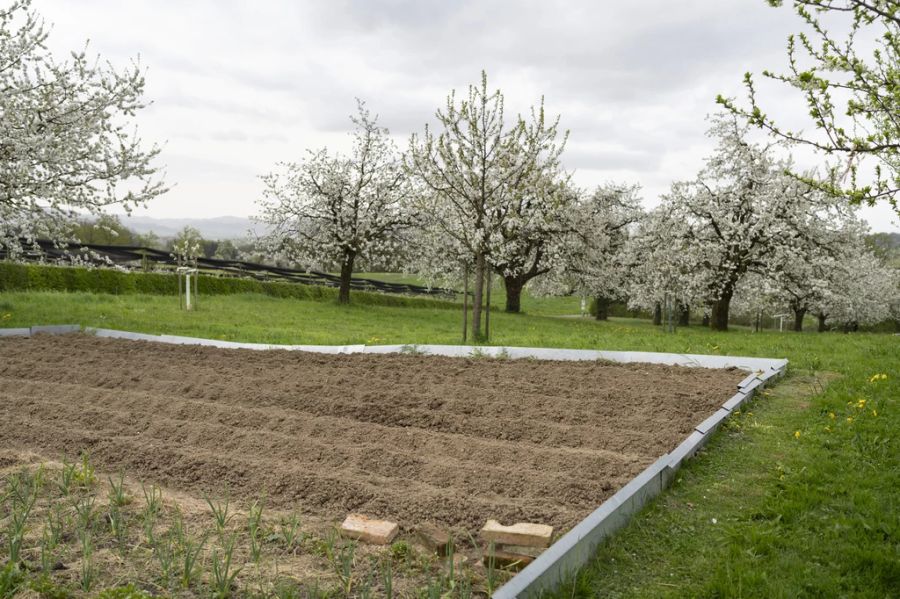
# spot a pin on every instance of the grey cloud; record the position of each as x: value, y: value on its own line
x: 182, y: 166
x: 212, y: 104
x: 633, y: 81
x: 242, y: 136
x: 591, y: 158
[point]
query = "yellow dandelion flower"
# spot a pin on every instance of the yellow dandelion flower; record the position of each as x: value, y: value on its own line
x: 861, y: 404
x: 832, y: 415
x: 874, y: 412
x: 796, y: 434
x: 849, y: 419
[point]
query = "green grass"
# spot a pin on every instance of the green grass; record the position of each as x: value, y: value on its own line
x: 814, y: 514
x: 252, y: 317
x: 531, y: 304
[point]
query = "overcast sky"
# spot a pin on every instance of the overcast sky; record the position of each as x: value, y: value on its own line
x: 238, y: 86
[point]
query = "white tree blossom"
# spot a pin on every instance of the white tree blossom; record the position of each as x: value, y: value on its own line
x: 529, y: 242
x: 475, y: 171
x: 742, y: 214
x: 757, y: 297
x: 806, y: 280
x: 859, y: 290
x: 660, y: 269
x: 590, y: 258
x: 339, y: 210
x: 187, y: 246
x: 832, y: 275
x: 66, y: 149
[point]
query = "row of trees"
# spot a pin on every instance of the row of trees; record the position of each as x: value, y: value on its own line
x: 487, y: 197
x: 481, y: 196
x: 747, y: 229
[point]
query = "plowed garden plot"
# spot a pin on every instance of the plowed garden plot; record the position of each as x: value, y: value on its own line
x: 410, y: 438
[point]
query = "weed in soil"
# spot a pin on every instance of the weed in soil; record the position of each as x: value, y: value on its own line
x: 83, y: 536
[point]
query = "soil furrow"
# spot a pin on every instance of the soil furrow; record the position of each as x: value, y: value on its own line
x: 413, y: 438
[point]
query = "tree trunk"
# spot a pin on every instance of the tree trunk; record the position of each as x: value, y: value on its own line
x: 514, y: 287
x: 479, y: 296
x: 684, y: 315
x: 719, y: 318
x: 799, y: 314
x: 657, y: 314
x: 346, y: 274
x: 822, y: 318
x: 602, y: 308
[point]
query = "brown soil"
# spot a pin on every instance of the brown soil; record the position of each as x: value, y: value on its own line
x: 411, y: 438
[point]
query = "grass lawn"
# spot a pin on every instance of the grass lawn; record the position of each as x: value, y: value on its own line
x: 274, y: 320
x: 797, y: 496
x: 531, y: 304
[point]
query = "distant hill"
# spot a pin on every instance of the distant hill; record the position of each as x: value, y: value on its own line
x: 886, y: 241
x: 887, y: 245
x: 219, y: 227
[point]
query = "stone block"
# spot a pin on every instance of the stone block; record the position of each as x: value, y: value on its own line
x: 435, y: 538
x: 521, y: 533
x: 369, y: 530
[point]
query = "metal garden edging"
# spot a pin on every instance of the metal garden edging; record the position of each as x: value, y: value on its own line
x: 15, y: 332
x: 576, y: 547
x: 750, y: 364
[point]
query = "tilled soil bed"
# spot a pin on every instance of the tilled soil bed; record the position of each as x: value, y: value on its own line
x: 411, y: 438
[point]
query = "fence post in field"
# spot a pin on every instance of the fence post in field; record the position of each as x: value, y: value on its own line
x: 465, y: 301
x: 487, y: 311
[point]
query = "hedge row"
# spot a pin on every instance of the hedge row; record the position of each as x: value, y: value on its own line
x: 40, y: 277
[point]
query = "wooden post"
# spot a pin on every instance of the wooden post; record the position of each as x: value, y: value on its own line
x: 487, y: 311
x: 465, y: 301
x: 196, y: 286
x: 478, y: 297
